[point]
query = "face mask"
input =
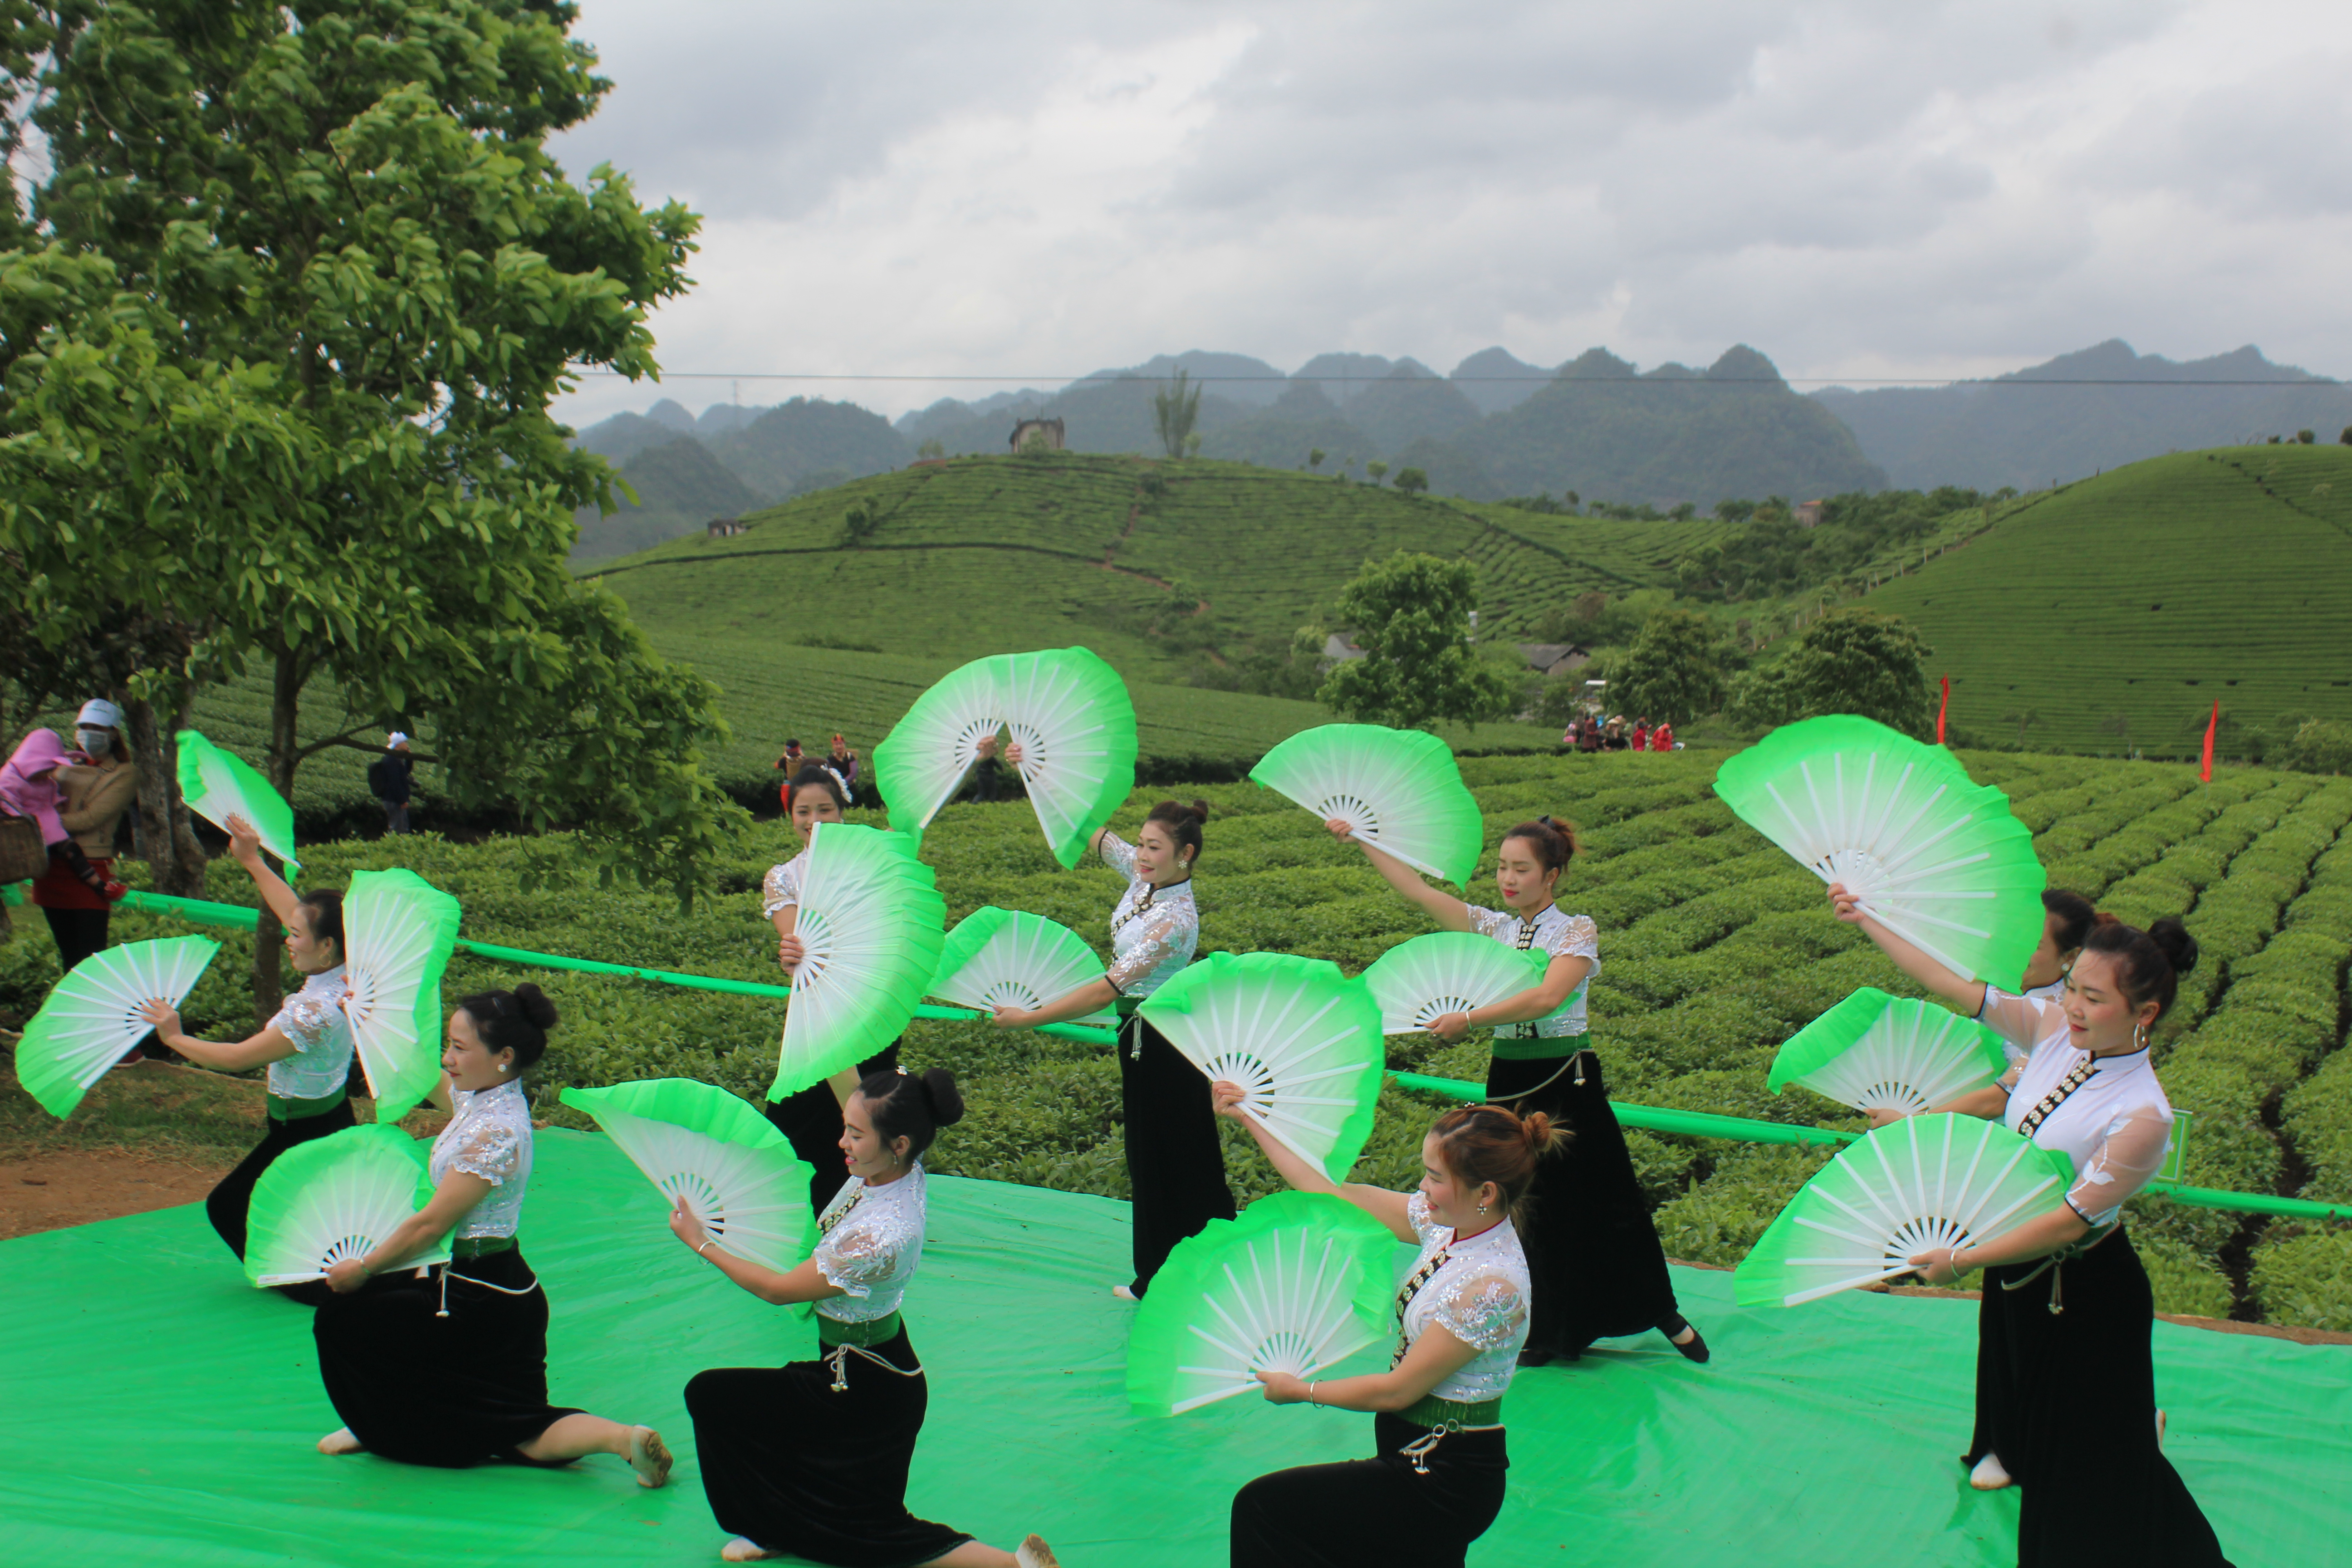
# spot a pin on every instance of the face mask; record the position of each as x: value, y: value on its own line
x: 97, y: 742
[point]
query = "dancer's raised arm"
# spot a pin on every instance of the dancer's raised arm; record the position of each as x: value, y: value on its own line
x: 1448, y: 911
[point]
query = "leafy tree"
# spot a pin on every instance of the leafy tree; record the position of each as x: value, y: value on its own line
x: 860, y: 521
x: 2321, y: 746
x: 302, y: 286
x: 1315, y: 457
x: 2305, y: 437
x: 1174, y: 409
x: 931, y: 449
x: 1193, y: 446
x: 1411, y: 615
x: 2345, y: 440
x: 1412, y: 481
x: 1377, y: 469
x: 1849, y: 661
x: 2024, y: 719
x: 1673, y: 671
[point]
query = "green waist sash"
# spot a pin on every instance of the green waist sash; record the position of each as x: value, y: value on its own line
x: 1453, y: 1414
x: 472, y: 1247
x: 282, y: 1108
x: 1541, y: 1047
x: 880, y: 1330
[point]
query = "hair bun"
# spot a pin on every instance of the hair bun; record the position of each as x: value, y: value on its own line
x: 537, y: 1006
x: 2173, y: 939
x: 1201, y: 810
x: 947, y: 1101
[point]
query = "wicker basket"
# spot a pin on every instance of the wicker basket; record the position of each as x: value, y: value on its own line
x: 23, y: 855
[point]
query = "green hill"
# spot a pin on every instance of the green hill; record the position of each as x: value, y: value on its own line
x: 2119, y: 609
x: 679, y: 487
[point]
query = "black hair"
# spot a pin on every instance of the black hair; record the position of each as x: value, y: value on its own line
x: 791, y: 741
x: 2071, y: 917
x: 819, y: 777
x: 516, y: 1020
x: 2148, y: 963
x: 326, y: 907
x: 913, y: 1105
x: 1183, y: 823
x: 1555, y: 840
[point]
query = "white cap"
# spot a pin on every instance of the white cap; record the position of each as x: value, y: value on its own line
x: 396, y: 739
x: 100, y: 714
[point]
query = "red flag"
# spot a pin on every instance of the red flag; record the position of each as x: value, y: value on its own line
x: 2207, y: 771
x: 1947, y: 707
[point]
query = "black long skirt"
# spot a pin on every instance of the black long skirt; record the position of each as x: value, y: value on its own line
x: 1368, y: 1513
x: 1598, y: 1266
x: 227, y: 1204
x: 793, y: 1465
x: 2068, y: 1401
x: 429, y: 1390
x: 810, y: 1120
x: 1175, y: 1165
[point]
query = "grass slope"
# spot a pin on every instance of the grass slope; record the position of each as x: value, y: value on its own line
x: 2121, y: 608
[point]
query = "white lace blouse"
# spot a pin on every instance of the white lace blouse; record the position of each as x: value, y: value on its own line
x: 1554, y: 932
x: 1480, y: 1294
x: 2116, y: 1126
x: 781, y: 889
x: 1152, y: 931
x: 872, y: 1245
x: 313, y: 1019
x: 488, y: 1137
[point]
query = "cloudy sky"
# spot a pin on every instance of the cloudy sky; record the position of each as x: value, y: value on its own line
x: 1860, y: 190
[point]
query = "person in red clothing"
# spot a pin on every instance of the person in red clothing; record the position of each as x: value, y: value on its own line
x: 1642, y: 734
x: 1661, y: 739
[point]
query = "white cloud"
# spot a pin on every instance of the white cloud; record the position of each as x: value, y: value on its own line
x: 1856, y: 189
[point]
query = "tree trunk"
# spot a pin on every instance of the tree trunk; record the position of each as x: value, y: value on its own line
x: 166, y: 841
x: 285, y: 709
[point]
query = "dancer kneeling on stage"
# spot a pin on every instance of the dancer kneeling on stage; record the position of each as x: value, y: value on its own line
x: 1436, y: 1482
x: 809, y: 1459
x: 448, y: 1365
x: 2066, y: 1377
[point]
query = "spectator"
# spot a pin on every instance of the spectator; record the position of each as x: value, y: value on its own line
x: 1591, y: 740
x: 1568, y: 737
x: 1661, y: 739
x: 96, y: 784
x: 842, y: 763
x: 29, y: 787
x: 1612, y: 734
x: 988, y: 775
x: 1642, y: 734
x: 789, y: 762
x: 390, y: 778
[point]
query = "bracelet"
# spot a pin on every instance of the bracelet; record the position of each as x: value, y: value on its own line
x: 706, y: 1241
x: 1310, y: 1395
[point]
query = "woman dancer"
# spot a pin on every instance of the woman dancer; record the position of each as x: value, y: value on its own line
x: 1175, y: 1165
x: 1591, y: 1241
x: 2065, y: 1383
x: 1436, y: 1482
x: 306, y: 1044
x: 2066, y: 920
x: 810, y: 1458
x: 810, y: 1117
x: 447, y: 1366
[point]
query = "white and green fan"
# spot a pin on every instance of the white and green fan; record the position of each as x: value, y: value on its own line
x: 697, y: 1142
x: 1009, y: 958
x: 871, y: 924
x: 1399, y: 789
x: 1301, y: 1040
x: 1920, y: 1183
x: 92, y: 1016
x: 1876, y: 1052
x: 336, y: 1197
x: 218, y: 784
x: 1933, y: 856
x: 1067, y: 710
x: 399, y: 930
x: 1420, y: 980
x: 1298, y: 1284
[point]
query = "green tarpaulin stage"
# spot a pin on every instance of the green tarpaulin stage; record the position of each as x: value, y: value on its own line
x: 158, y: 1412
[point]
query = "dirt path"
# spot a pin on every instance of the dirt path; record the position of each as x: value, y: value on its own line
x: 74, y: 1186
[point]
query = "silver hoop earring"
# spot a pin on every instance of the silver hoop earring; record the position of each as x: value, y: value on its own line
x: 2139, y: 1037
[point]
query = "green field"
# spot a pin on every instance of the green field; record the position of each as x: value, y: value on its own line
x: 2119, y: 610
x: 1716, y: 948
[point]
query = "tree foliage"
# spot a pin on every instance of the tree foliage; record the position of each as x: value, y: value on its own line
x: 1411, y: 615
x: 1674, y: 671
x: 1849, y: 661
x: 1174, y: 409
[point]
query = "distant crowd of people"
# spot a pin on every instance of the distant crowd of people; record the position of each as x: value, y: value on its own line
x: 840, y: 761
x: 1595, y: 732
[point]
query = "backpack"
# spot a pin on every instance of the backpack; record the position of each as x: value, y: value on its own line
x: 387, y: 779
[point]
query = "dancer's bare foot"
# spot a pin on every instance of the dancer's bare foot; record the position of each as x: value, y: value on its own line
x: 342, y: 1441
x: 743, y: 1548
x: 648, y: 1455
x: 1125, y: 1293
x: 2159, y: 1431
x: 1988, y: 1476
x: 1034, y: 1552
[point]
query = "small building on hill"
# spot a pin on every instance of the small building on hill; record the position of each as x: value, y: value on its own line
x: 1809, y: 513
x: 1339, y: 648
x: 725, y: 528
x: 1049, y: 430
x: 1553, y: 658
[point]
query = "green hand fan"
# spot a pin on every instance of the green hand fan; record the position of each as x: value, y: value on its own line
x: 399, y: 930
x: 336, y: 1197
x: 697, y: 1142
x: 1420, y: 980
x: 872, y: 925
x: 1399, y: 788
x: 1298, y: 1284
x: 1299, y: 1037
x: 92, y: 1016
x: 1008, y: 958
x: 923, y: 759
x: 217, y: 783
x: 1876, y: 1052
x: 1934, y: 856
x: 1920, y: 1183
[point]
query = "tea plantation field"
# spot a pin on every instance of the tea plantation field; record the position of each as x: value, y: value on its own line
x: 2119, y: 610
x: 1714, y: 947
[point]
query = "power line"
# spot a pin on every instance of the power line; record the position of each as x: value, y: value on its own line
x: 1922, y: 384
